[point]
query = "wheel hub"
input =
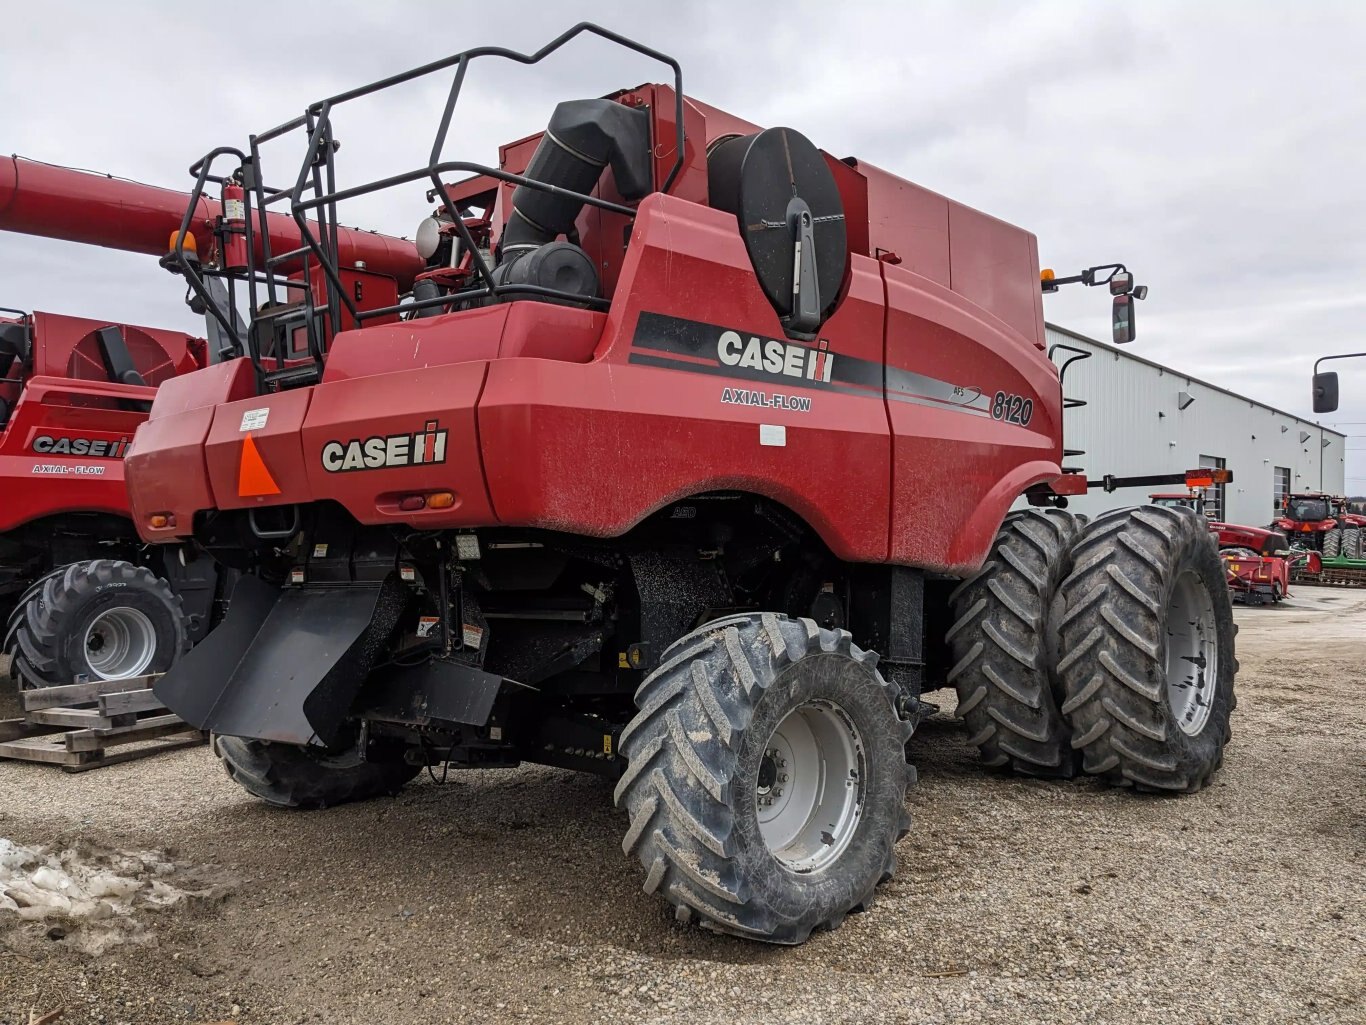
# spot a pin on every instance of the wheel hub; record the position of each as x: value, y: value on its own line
x: 1192, y: 654
x: 809, y: 790
x: 120, y: 643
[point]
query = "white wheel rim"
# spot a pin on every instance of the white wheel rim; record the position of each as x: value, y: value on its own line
x: 809, y: 791
x: 120, y: 644
x: 1192, y: 654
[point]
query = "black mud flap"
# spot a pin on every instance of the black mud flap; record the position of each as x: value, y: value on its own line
x: 434, y: 692
x: 284, y: 665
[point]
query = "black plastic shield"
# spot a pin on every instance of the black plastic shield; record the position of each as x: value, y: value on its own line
x: 284, y: 665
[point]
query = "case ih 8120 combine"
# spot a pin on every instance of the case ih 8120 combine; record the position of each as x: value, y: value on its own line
x: 690, y: 462
x: 82, y: 595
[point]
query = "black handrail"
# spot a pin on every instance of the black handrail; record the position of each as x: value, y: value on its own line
x: 315, y: 189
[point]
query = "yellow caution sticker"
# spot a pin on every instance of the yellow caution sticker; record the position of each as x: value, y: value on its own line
x: 607, y: 743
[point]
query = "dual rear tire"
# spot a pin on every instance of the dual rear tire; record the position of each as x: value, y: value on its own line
x: 1107, y: 647
x: 1351, y: 543
x: 1004, y: 652
x: 1147, y: 656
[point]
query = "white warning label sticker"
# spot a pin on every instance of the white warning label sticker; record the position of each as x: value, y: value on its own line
x: 773, y: 434
x: 254, y: 420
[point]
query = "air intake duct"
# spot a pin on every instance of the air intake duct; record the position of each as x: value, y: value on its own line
x: 583, y: 137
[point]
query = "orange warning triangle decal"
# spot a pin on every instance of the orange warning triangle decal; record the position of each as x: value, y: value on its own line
x: 253, y: 479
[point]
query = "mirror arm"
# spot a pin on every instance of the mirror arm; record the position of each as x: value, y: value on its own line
x: 1343, y: 355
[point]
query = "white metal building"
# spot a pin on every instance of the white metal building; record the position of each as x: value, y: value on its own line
x: 1144, y: 418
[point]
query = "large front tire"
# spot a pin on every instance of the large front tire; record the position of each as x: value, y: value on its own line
x: 766, y: 777
x: 288, y: 776
x: 102, y: 620
x: 1146, y: 639
x: 1002, y: 647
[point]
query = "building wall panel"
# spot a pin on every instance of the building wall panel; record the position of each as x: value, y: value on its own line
x: 1134, y: 423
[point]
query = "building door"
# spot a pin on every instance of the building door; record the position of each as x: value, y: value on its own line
x: 1214, y: 497
x: 1280, y: 487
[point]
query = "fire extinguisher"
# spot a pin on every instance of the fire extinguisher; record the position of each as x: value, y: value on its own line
x: 234, y: 227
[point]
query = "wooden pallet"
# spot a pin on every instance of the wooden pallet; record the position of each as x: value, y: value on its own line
x: 76, y: 726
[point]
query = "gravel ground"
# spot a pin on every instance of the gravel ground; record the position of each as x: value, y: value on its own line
x: 504, y: 896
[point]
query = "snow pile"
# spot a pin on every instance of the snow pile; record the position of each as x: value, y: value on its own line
x: 84, y: 895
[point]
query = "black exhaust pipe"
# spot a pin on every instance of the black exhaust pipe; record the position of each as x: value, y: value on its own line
x: 583, y: 137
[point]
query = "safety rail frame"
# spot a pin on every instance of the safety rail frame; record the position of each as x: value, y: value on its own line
x: 317, y: 178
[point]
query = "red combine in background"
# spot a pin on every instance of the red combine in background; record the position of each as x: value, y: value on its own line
x: 84, y: 598
x: 1228, y: 535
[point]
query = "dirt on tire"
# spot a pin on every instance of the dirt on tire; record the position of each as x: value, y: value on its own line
x: 694, y: 752
x: 1117, y: 628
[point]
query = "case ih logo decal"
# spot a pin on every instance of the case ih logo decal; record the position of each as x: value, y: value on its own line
x: 98, y: 448
x: 698, y: 348
x: 383, y: 451
x: 774, y: 357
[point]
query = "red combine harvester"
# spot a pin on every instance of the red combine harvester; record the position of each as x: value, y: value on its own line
x: 1228, y: 535
x: 83, y: 596
x: 647, y: 478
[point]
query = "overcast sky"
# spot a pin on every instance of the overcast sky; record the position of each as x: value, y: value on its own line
x: 1218, y: 149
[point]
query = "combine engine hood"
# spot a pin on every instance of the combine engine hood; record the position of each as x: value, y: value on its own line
x: 400, y: 398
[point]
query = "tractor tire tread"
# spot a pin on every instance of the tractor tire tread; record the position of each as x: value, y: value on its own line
x: 289, y: 777
x: 1113, y: 649
x: 34, y: 634
x: 1002, y: 663
x: 1332, y: 543
x: 683, y: 753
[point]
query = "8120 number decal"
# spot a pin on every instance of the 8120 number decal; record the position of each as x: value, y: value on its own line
x: 1013, y: 409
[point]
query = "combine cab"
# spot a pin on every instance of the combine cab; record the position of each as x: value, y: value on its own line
x: 641, y: 477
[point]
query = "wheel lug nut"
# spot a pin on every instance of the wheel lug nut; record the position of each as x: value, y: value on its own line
x: 782, y: 778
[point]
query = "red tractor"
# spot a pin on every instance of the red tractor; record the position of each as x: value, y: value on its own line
x: 1323, y: 523
x: 82, y: 595
x: 646, y: 478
